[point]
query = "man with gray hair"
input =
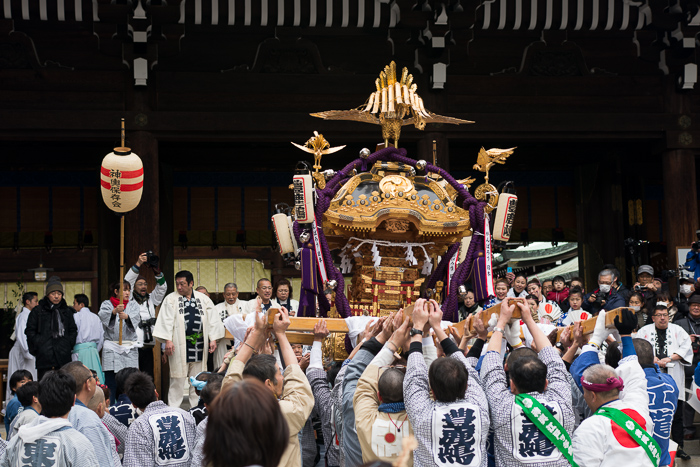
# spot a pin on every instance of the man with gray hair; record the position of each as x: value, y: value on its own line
x: 229, y: 307
x: 609, y: 294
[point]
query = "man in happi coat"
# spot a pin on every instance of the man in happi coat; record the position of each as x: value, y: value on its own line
x: 116, y: 314
x: 518, y: 441
x: 147, y: 303
x: 291, y: 388
x: 85, y: 420
x: 599, y: 440
x: 20, y: 358
x: 50, y: 440
x: 321, y: 386
x: 451, y: 429
x: 90, y: 336
x: 671, y: 345
x: 229, y: 307
x: 188, y: 324
x: 264, y: 291
x: 162, y: 435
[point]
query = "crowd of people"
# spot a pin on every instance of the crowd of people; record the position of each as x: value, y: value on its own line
x: 499, y: 391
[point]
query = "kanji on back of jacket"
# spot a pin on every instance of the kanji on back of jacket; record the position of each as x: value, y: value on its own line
x: 404, y: 228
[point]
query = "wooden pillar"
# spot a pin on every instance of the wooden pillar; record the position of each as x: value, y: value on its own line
x: 599, y: 218
x: 680, y: 203
x: 425, y: 149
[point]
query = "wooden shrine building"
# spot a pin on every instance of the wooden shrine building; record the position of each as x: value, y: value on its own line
x: 601, y: 98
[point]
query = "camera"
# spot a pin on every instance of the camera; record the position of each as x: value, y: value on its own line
x: 152, y: 259
x: 600, y: 297
x: 146, y: 325
x: 695, y: 345
x: 640, y: 288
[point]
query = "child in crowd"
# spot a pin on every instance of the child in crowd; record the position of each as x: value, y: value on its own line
x: 636, y: 302
x: 534, y: 304
x: 18, y: 379
x: 519, y: 284
x: 577, y: 282
x: 28, y: 396
x: 575, y: 312
x: 559, y: 293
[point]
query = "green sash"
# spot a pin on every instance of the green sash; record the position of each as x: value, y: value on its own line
x: 632, y: 428
x: 547, y: 424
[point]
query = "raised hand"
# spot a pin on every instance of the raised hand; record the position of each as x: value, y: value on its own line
x: 421, y: 314
x: 435, y: 314
x: 482, y: 331
x: 320, y: 331
x: 281, y: 322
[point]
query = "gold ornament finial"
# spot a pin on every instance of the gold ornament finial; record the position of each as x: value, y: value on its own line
x: 484, y: 161
x: 392, y: 105
x: 318, y: 146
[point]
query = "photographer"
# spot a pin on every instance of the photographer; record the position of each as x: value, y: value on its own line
x: 691, y: 325
x: 147, y: 303
x: 692, y: 259
x: 609, y: 294
x: 645, y: 286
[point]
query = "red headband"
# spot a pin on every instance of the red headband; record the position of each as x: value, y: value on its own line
x: 610, y: 384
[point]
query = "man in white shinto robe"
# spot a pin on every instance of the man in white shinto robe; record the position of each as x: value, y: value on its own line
x: 264, y: 290
x: 187, y: 323
x: 20, y: 358
x: 229, y: 307
x: 90, y: 336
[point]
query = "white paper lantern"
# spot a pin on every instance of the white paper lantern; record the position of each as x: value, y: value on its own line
x: 121, y: 180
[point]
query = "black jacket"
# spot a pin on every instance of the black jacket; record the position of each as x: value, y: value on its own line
x: 50, y: 352
x: 691, y: 326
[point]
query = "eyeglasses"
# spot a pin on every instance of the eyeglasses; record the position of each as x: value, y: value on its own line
x: 662, y: 315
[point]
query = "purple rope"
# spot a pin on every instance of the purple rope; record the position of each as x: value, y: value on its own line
x: 326, y: 195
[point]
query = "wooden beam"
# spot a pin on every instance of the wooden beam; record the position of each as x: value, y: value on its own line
x: 304, y: 338
x: 589, y: 325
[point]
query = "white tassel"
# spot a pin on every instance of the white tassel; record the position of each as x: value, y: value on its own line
x: 397, y: 91
x: 375, y: 109
x: 369, y: 104
x: 391, y: 98
x: 406, y: 96
x: 427, y: 267
x: 375, y: 256
x: 410, y: 257
x: 383, y: 100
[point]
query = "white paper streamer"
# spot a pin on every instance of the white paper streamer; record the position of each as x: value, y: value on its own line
x: 427, y: 263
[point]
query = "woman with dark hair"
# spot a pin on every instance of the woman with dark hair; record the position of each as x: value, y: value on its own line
x: 115, y: 313
x: 636, y: 302
x: 519, y: 284
x: 282, y: 291
x: 245, y: 427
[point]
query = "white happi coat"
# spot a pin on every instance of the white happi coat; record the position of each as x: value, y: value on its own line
x: 678, y: 342
x: 224, y: 310
x: 148, y: 308
x: 113, y: 360
x: 595, y: 442
x: 89, y: 329
x: 20, y: 358
x: 170, y: 326
x: 251, y: 304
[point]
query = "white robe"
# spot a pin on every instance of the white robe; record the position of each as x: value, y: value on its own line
x: 89, y: 328
x: 20, y: 358
x: 678, y: 342
x: 148, y: 308
x: 251, y: 304
x: 170, y: 326
x: 224, y: 310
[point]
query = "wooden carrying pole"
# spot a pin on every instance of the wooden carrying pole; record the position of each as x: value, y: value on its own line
x: 120, y: 299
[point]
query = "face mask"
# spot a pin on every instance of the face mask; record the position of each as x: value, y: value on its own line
x: 605, y: 288
x: 685, y: 289
x: 636, y: 308
x: 663, y: 304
